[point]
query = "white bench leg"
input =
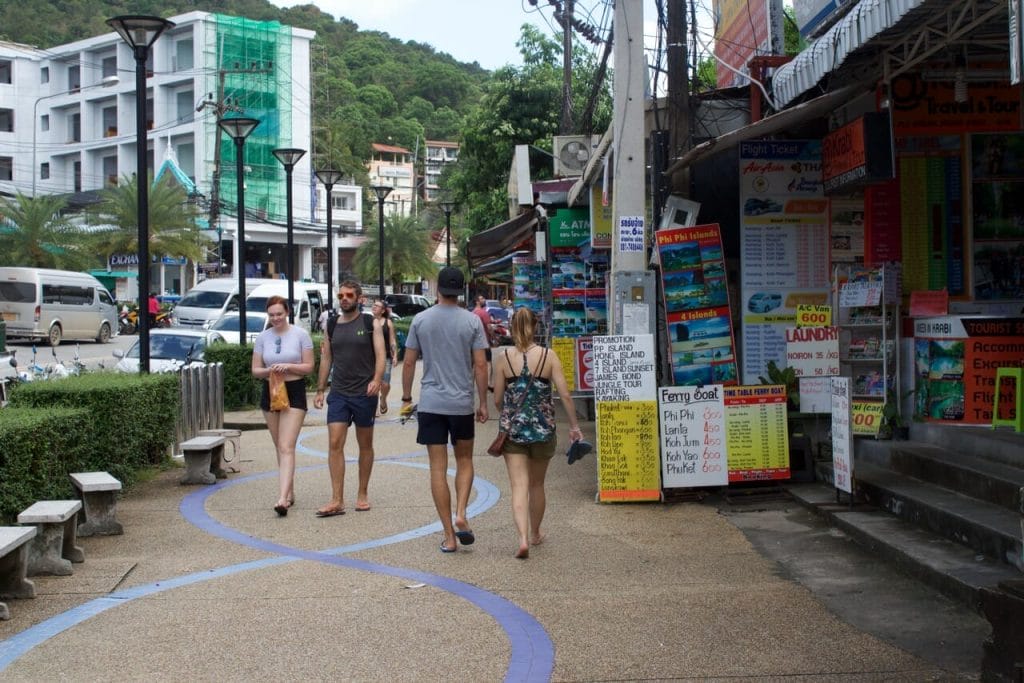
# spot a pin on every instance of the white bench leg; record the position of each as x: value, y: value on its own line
x: 13, y: 581
x: 197, y: 468
x: 99, y: 509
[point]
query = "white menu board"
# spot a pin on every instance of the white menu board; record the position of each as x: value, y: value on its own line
x: 842, y: 435
x: 693, y: 449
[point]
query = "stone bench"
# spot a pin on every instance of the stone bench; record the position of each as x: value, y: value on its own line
x: 203, y: 456
x: 99, y: 503
x: 54, y: 547
x: 233, y: 437
x: 14, y: 565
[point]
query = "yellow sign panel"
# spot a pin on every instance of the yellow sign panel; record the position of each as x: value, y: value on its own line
x: 813, y: 316
x: 600, y: 220
x: 629, y: 465
x: 565, y: 349
x: 867, y: 417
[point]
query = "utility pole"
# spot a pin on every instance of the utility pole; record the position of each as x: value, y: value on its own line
x: 678, y: 92
x: 222, y: 106
x: 565, y: 127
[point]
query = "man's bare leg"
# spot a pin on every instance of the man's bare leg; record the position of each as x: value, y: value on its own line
x: 337, y: 433
x: 364, y: 436
x: 438, y: 454
x: 463, y: 480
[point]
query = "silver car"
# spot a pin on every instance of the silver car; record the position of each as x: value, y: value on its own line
x: 170, y: 349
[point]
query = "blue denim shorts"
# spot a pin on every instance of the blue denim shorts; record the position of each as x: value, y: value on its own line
x: 349, y: 409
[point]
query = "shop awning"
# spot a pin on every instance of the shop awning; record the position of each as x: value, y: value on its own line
x: 501, y: 240
x: 770, y: 125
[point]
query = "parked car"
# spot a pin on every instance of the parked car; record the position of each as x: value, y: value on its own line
x: 170, y: 349
x: 406, y: 304
x: 227, y: 326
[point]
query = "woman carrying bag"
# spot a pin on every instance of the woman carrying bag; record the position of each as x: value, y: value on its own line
x: 283, y: 355
x: 522, y: 394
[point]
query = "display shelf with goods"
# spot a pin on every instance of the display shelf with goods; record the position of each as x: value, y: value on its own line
x: 867, y: 305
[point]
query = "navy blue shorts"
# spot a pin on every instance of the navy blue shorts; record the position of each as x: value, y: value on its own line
x: 349, y: 409
x: 435, y: 429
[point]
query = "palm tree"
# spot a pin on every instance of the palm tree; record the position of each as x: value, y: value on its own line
x: 407, y: 251
x: 36, y: 233
x: 172, y: 221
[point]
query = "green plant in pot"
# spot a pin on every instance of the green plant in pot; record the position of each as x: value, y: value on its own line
x: 786, y: 377
x: 893, y: 423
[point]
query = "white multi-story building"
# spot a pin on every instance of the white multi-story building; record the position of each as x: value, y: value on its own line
x: 439, y: 154
x: 68, y: 125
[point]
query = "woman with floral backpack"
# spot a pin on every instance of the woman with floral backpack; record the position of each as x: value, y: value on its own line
x: 524, y: 376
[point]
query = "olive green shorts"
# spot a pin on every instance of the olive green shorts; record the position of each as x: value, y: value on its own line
x: 539, y: 450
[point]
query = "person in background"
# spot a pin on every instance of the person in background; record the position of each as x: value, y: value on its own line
x: 523, y: 378
x: 358, y: 343
x: 288, y: 351
x: 451, y: 342
x: 154, y: 309
x: 480, y: 311
x: 382, y: 318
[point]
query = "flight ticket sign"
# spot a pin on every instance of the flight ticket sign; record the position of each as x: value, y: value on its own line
x: 625, y: 390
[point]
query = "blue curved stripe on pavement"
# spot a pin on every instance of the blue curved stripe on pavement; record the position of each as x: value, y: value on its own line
x: 532, y: 653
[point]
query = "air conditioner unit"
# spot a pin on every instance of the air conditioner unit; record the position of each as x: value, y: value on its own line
x: 572, y: 152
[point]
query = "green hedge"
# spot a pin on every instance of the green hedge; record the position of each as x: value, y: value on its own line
x: 38, y: 448
x: 132, y: 416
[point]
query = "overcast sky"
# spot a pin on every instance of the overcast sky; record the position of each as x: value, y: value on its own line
x: 483, y: 31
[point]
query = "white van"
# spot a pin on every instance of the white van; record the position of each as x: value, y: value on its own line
x: 51, y: 305
x: 210, y: 299
x: 310, y: 300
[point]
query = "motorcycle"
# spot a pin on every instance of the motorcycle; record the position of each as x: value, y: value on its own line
x: 500, y: 333
x: 163, y: 319
x: 128, y: 322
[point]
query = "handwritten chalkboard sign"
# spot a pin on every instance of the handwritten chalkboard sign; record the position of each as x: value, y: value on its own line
x: 627, y: 418
x: 693, y: 436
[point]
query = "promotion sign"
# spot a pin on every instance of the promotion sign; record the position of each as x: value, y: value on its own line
x: 627, y: 418
x: 842, y: 435
x: 693, y: 436
x: 757, y: 435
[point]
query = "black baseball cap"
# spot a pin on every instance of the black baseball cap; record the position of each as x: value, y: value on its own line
x: 451, y: 281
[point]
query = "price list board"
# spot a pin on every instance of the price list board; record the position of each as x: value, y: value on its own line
x: 625, y: 390
x: 842, y: 434
x: 756, y: 433
x: 693, y: 436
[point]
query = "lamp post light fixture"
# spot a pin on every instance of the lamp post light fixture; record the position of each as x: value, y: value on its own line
x: 289, y: 156
x: 105, y: 82
x: 329, y: 177
x: 140, y: 32
x: 382, y: 191
x: 448, y: 206
x: 238, y: 129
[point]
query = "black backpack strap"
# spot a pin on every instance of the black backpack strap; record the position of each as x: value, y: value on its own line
x: 332, y: 322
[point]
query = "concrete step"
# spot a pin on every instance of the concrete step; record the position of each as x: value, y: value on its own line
x: 948, y: 566
x: 993, y: 482
x: 984, y: 527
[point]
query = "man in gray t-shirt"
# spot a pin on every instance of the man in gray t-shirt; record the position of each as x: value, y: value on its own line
x: 451, y: 342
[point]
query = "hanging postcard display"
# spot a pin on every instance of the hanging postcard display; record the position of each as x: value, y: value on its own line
x: 697, y: 314
x: 578, y: 302
x: 784, y: 244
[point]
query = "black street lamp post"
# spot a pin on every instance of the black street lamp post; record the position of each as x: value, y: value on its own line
x: 140, y: 32
x: 382, y: 191
x: 289, y: 156
x: 329, y: 176
x: 448, y: 206
x: 238, y: 129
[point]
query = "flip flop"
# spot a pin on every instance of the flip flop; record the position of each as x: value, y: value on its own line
x: 330, y: 513
x: 383, y: 408
x: 362, y: 507
x: 465, y: 537
x: 281, y: 510
x: 448, y: 550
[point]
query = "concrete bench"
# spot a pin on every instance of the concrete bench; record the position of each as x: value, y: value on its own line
x: 203, y: 456
x: 99, y: 503
x: 14, y: 565
x: 54, y: 547
x: 233, y: 437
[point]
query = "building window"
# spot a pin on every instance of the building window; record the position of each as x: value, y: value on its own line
x: 183, y: 55
x: 5, y: 71
x: 110, y: 171
x: 44, y: 172
x: 109, y: 122
x: 109, y: 66
x: 340, y: 202
x: 74, y: 78
x: 44, y: 122
x: 75, y: 128
x: 78, y: 176
x: 187, y: 158
x: 44, y: 74
x: 6, y: 168
x: 6, y: 120
x: 186, y: 106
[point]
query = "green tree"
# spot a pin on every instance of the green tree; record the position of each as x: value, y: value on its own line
x: 172, y: 221
x: 36, y: 233
x: 407, y: 251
